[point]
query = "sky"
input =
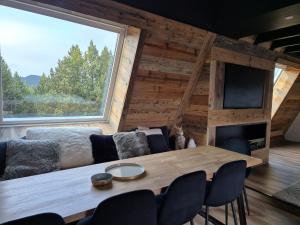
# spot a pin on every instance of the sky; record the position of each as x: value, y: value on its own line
x: 32, y: 43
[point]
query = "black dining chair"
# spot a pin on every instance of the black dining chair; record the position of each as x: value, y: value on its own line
x: 182, y: 200
x: 39, y: 219
x: 242, y: 146
x: 225, y: 187
x: 132, y: 208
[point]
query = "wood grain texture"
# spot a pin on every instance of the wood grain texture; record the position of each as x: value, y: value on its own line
x: 70, y: 193
x: 235, y: 116
x: 197, y: 70
x: 130, y: 56
x: 281, y: 172
x: 240, y: 54
x: 264, y: 211
x: 286, y: 102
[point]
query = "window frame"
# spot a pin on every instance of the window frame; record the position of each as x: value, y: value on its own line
x: 78, y: 18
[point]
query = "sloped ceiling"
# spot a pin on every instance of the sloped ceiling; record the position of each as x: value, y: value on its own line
x: 234, y: 18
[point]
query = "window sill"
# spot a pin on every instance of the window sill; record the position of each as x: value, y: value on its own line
x: 50, y: 121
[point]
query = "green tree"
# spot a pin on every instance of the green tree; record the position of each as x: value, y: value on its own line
x: 43, y: 86
x: 91, y: 72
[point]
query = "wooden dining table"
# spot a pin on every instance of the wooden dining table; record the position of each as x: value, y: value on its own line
x: 70, y: 192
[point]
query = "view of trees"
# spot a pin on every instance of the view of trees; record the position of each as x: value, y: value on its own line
x: 75, y: 87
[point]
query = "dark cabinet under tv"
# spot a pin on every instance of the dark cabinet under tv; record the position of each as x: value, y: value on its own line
x: 255, y: 134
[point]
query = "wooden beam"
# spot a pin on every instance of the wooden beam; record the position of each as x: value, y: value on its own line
x: 286, y: 42
x: 244, y: 48
x: 132, y: 79
x: 278, y: 34
x: 269, y: 21
x: 204, y: 52
x: 292, y: 49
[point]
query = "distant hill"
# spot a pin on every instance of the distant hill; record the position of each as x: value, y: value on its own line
x: 32, y: 80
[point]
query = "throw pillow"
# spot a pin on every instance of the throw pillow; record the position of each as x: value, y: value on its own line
x: 74, y: 142
x: 131, y: 144
x: 157, y: 143
x: 104, y: 148
x: 30, y: 157
x: 2, y: 157
x: 156, y: 140
x: 165, y: 131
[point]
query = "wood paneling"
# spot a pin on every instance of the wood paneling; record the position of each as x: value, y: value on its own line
x: 132, y: 48
x: 197, y: 70
x: 167, y: 60
x: 235, y: 116
x: 240, y: 54
x: 194, y: 119
x: 286, y: 103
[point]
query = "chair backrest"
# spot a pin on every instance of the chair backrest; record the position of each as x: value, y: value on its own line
x: 239, y: 145
x: 132, y: 208
x: 227, y: 183
x: 40, y: 219
x: 183, y: 199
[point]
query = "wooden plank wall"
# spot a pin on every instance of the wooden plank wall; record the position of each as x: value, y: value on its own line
x: 168, y: 57
x: 166, y: 63
x: 287, y: 101
x: 195, y: 115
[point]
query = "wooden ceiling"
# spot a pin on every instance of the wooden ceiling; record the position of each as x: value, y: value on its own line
x: 272, y: 24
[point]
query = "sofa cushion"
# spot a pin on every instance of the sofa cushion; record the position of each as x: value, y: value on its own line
x: 156, y: 140
x: 157, y: 143
x: 2, y: 157
x: 164, y: 129
x: 131, y: 144
x: 30, y: 157
x: 75, y: 144
x: 104, y: 148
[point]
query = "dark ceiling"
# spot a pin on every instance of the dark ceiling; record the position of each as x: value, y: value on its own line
x: 268, y: 20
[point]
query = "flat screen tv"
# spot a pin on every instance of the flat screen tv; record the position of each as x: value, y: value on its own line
x: 243, y: 87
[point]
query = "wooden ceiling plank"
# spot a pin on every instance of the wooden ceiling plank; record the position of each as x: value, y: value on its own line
x: 291, y: 49
x: 278, y: 34
x: 201, y: 58
x: 286, y: 42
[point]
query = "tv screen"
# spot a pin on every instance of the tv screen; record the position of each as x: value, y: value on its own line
x: 244, y: 87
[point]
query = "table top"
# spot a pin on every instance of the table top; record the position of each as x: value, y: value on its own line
x: 71, y: 194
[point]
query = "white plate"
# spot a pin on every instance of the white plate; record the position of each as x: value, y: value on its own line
x: 125, y: 171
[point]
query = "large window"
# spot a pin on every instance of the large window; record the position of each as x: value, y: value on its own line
x: 54, y: 65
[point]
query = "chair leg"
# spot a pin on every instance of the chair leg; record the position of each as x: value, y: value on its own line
x: 226, y: 214
x: 191, y: 222
x: 206, y: 215
x: 246, y: 201
x: 233, y: 213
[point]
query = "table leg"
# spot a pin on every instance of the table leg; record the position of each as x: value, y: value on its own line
x: 241, y: 209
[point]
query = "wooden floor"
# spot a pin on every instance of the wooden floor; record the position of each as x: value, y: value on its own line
x: 282, y: 171
x: 264, y: 211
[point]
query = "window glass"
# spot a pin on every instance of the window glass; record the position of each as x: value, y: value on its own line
x: 53, y: 68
